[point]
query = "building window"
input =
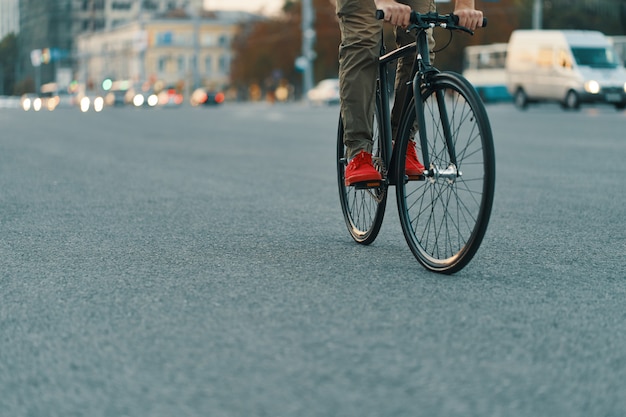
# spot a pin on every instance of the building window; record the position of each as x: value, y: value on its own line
x: 164, y: 38
x: 162, y: 64
x: 224, y: 64
x: 207, y: 39
x: 121, y: 5
x: 149, y: 5
x: 208, y: 65
x: 223, y: 41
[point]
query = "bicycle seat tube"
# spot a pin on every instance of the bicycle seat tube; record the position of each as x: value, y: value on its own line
x: 383, y: 96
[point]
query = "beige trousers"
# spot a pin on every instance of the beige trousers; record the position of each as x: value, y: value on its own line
x: 361, y: 35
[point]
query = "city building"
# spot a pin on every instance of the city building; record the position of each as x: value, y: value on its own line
x: 178, y: 49
x: 9, y: 17
x: 48, y: 29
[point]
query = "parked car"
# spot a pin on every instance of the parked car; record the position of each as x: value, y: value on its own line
x: 91, y: 102
x: 170, y: 97
x: 31, y: 102
x: 116, y: 98
x: 141, y: 97
x: 203, y: 97
x: 325, y: 92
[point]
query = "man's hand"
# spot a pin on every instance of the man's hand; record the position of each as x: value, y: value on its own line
x: 395, y: 13
x: 468, y: 16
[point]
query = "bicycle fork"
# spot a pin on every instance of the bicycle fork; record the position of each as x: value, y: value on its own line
x: 432, y: 171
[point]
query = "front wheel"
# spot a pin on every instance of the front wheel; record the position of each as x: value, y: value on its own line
x: 363, y: 208
x: 571, y: 101
x: 444, y: 215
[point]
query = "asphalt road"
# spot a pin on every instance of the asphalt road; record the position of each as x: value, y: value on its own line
x: 194, y: 262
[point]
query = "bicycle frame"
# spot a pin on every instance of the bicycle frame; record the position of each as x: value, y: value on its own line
x: 422, y: 69
x: 443, y: 213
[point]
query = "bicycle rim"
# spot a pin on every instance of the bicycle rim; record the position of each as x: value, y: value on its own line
x: 363, y: 209
x: 444, y: 217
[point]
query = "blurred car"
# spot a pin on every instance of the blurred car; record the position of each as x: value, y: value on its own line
x: 31, y: 102
x: 116, y: 98
x: 325, y: 92
x: 147, y: 98
x: 170, y: 97
x: 202, y: 97
x: 91, y: 102
x: 64, y: 99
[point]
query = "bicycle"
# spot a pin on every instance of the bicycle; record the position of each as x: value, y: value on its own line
x: 444, y: 213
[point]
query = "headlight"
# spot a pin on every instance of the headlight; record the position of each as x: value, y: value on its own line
x: 85, y: 102
x: 153, y: 100
x: 592, y: 87
x: 625, y: 87
x: 26, y: 103
x: 138, y: 100
x: 98, y: 104
x: 37, y: 104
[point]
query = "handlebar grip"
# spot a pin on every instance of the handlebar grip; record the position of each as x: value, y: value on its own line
x: 380, y: 15
x: 456, y: 20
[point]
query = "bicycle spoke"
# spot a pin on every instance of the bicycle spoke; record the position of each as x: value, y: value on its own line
x: 443, y: 215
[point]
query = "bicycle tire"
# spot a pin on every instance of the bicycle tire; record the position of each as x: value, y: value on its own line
x: 444, y: 219
x: 363, y: 209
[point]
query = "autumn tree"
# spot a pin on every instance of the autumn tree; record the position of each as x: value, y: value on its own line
x: 265, y: 52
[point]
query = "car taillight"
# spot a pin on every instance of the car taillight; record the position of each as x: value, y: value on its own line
x: 219, y: 98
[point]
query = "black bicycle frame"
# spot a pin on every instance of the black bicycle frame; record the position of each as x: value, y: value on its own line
x: 383, y: 97
x: 421, y: 68
x: 423, y: 58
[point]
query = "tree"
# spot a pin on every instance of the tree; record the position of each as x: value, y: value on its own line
x: 265, y: 52
x: 602, y: 15
x: 8, y: 58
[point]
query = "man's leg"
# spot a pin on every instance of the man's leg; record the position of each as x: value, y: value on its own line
x: 403, y: 71
x: 358, y: 59
x: 413, y: 167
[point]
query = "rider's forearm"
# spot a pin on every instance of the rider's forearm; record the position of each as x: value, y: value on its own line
x: 468, y: 15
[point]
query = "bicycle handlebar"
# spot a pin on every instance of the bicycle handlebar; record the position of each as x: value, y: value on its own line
x: 430, y: 19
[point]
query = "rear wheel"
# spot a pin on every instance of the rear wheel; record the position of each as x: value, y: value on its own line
x: 521, y: 99
x: 572, y: 101
x: 444, y: 216
x: 363, y: 208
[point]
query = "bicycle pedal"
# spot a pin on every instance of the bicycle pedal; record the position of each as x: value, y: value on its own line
x: 364, y: 185
x: 408, y: 178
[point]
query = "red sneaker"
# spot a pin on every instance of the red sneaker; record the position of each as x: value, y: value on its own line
x: 413, y: 167
x: 361, y: 170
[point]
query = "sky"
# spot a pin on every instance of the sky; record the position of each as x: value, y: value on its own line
x: 264, y: 6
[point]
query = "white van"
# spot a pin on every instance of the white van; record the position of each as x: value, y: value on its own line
x: 567, y: 66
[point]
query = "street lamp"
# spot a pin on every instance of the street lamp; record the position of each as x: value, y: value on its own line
x: 537, y: 14
x: 308, y: 40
